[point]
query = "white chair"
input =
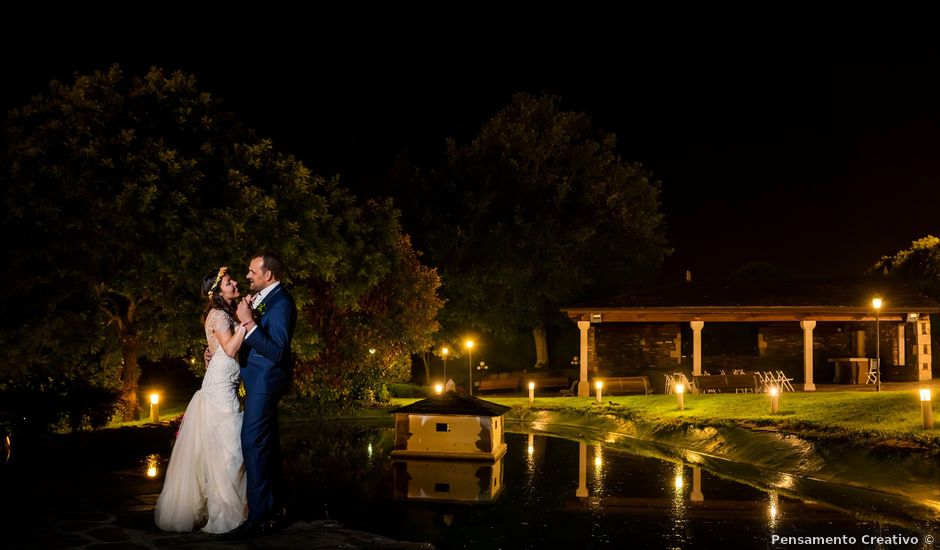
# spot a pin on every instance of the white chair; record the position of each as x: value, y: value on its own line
x: 766, y: 379
x: 872, y: 372
x: 670, y: 384
x: 784, y: 381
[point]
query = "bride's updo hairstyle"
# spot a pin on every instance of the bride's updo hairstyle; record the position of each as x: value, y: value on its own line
x: 210, y: 289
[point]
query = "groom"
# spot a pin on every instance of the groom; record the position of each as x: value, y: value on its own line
x: 266, y: 372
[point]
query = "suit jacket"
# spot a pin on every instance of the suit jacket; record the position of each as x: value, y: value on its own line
x: 268, y: 366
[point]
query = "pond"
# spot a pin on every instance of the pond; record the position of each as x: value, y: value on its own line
x: 556, y: 492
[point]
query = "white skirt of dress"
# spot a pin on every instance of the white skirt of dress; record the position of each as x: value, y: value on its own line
x: 205, y: 479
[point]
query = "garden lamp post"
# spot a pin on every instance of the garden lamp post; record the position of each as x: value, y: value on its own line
x: 876, y: 303
x: 445, y: 351
x: 469, y: 345
x: 483, y: 367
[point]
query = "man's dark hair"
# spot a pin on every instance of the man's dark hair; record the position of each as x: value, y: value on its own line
x: 270, y: 261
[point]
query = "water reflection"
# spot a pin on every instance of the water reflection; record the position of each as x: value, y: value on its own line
x: 772, y: 509
x: 448, y: 480
x: 552, y: 492
x: 152, y: 462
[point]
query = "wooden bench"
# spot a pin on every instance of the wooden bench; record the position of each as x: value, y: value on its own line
x: 500, y: 383
x: 625, y: 384
x: 720, y: 382
x: 548, y: 382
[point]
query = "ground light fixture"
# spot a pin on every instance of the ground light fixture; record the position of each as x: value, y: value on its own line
x: 926, y: 407
x: 438, y: 388
x: 531, y: 392
x: 680, y: 396
x: 599, y: 387
x: 774, y: 399
x: 154, y: 407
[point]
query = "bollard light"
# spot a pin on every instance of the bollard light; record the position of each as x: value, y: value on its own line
x: 599, y: 386
x: 438, y: 388
x: 154, y: 407
x: 680, y: 396
x: 531, y: 392
x: 926, y: 408
x: 774, y: 399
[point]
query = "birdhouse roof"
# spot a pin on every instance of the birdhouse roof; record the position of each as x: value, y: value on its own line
x: 452, y: 403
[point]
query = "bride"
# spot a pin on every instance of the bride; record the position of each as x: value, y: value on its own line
x: 205, y: 480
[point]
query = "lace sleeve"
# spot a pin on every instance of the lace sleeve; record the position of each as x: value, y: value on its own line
x: 216, y: 321
x: 219, y: 321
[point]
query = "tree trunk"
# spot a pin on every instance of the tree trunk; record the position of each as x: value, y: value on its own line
x: 541, y: 346
x: 427, y: 368
x: 130, y: 346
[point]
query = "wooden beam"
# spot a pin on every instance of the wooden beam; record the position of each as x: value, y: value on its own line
x: 650, y: 316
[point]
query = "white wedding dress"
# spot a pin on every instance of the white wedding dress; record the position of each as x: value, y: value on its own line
x: 205, y: 480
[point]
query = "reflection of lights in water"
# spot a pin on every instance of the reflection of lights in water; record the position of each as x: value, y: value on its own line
x: 599, y: 477
x: 152, y: 462
x: 369, y: 450
x: 773, y: 508
x: 678, y: 510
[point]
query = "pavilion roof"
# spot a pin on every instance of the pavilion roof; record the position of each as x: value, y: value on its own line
x: 772, y: 300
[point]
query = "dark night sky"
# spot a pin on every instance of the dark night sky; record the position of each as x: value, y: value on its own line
x: 806, y: 140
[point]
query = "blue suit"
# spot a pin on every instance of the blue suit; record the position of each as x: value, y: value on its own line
x: 266, y: 372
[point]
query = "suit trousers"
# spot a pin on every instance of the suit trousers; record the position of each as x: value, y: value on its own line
x: 261, y: 447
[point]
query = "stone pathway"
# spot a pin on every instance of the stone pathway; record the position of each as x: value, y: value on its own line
x: 77, y: 506
x: 94, y: 530
x: 133, y: 529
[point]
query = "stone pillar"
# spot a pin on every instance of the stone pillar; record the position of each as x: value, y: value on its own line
x: 860, y: 344
x: 583, y: 389
x: 697, y: 347
x: 901, y: 357
x: 582, y: 491
x: 697, y: 495
x: 808, y: 327
x: 922, y: 348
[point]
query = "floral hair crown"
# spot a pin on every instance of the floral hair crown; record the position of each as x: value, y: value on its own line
x: 222, y: 271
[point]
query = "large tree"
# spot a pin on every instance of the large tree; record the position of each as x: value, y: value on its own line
x: 122, y: 192
x: 920, y: 264
x: 369, y: 341
x: 535, y: 212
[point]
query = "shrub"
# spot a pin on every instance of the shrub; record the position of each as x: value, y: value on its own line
x: 406, y: 390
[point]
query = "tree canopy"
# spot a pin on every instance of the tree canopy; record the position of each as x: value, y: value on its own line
x: 919, y: 264
x: 535, y: 212
x: 122, y: 192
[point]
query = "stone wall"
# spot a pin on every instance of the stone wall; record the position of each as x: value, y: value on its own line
x: 627, y: 350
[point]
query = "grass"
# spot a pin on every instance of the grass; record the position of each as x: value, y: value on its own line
x: 865, y: 418
x: 168, y: 411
